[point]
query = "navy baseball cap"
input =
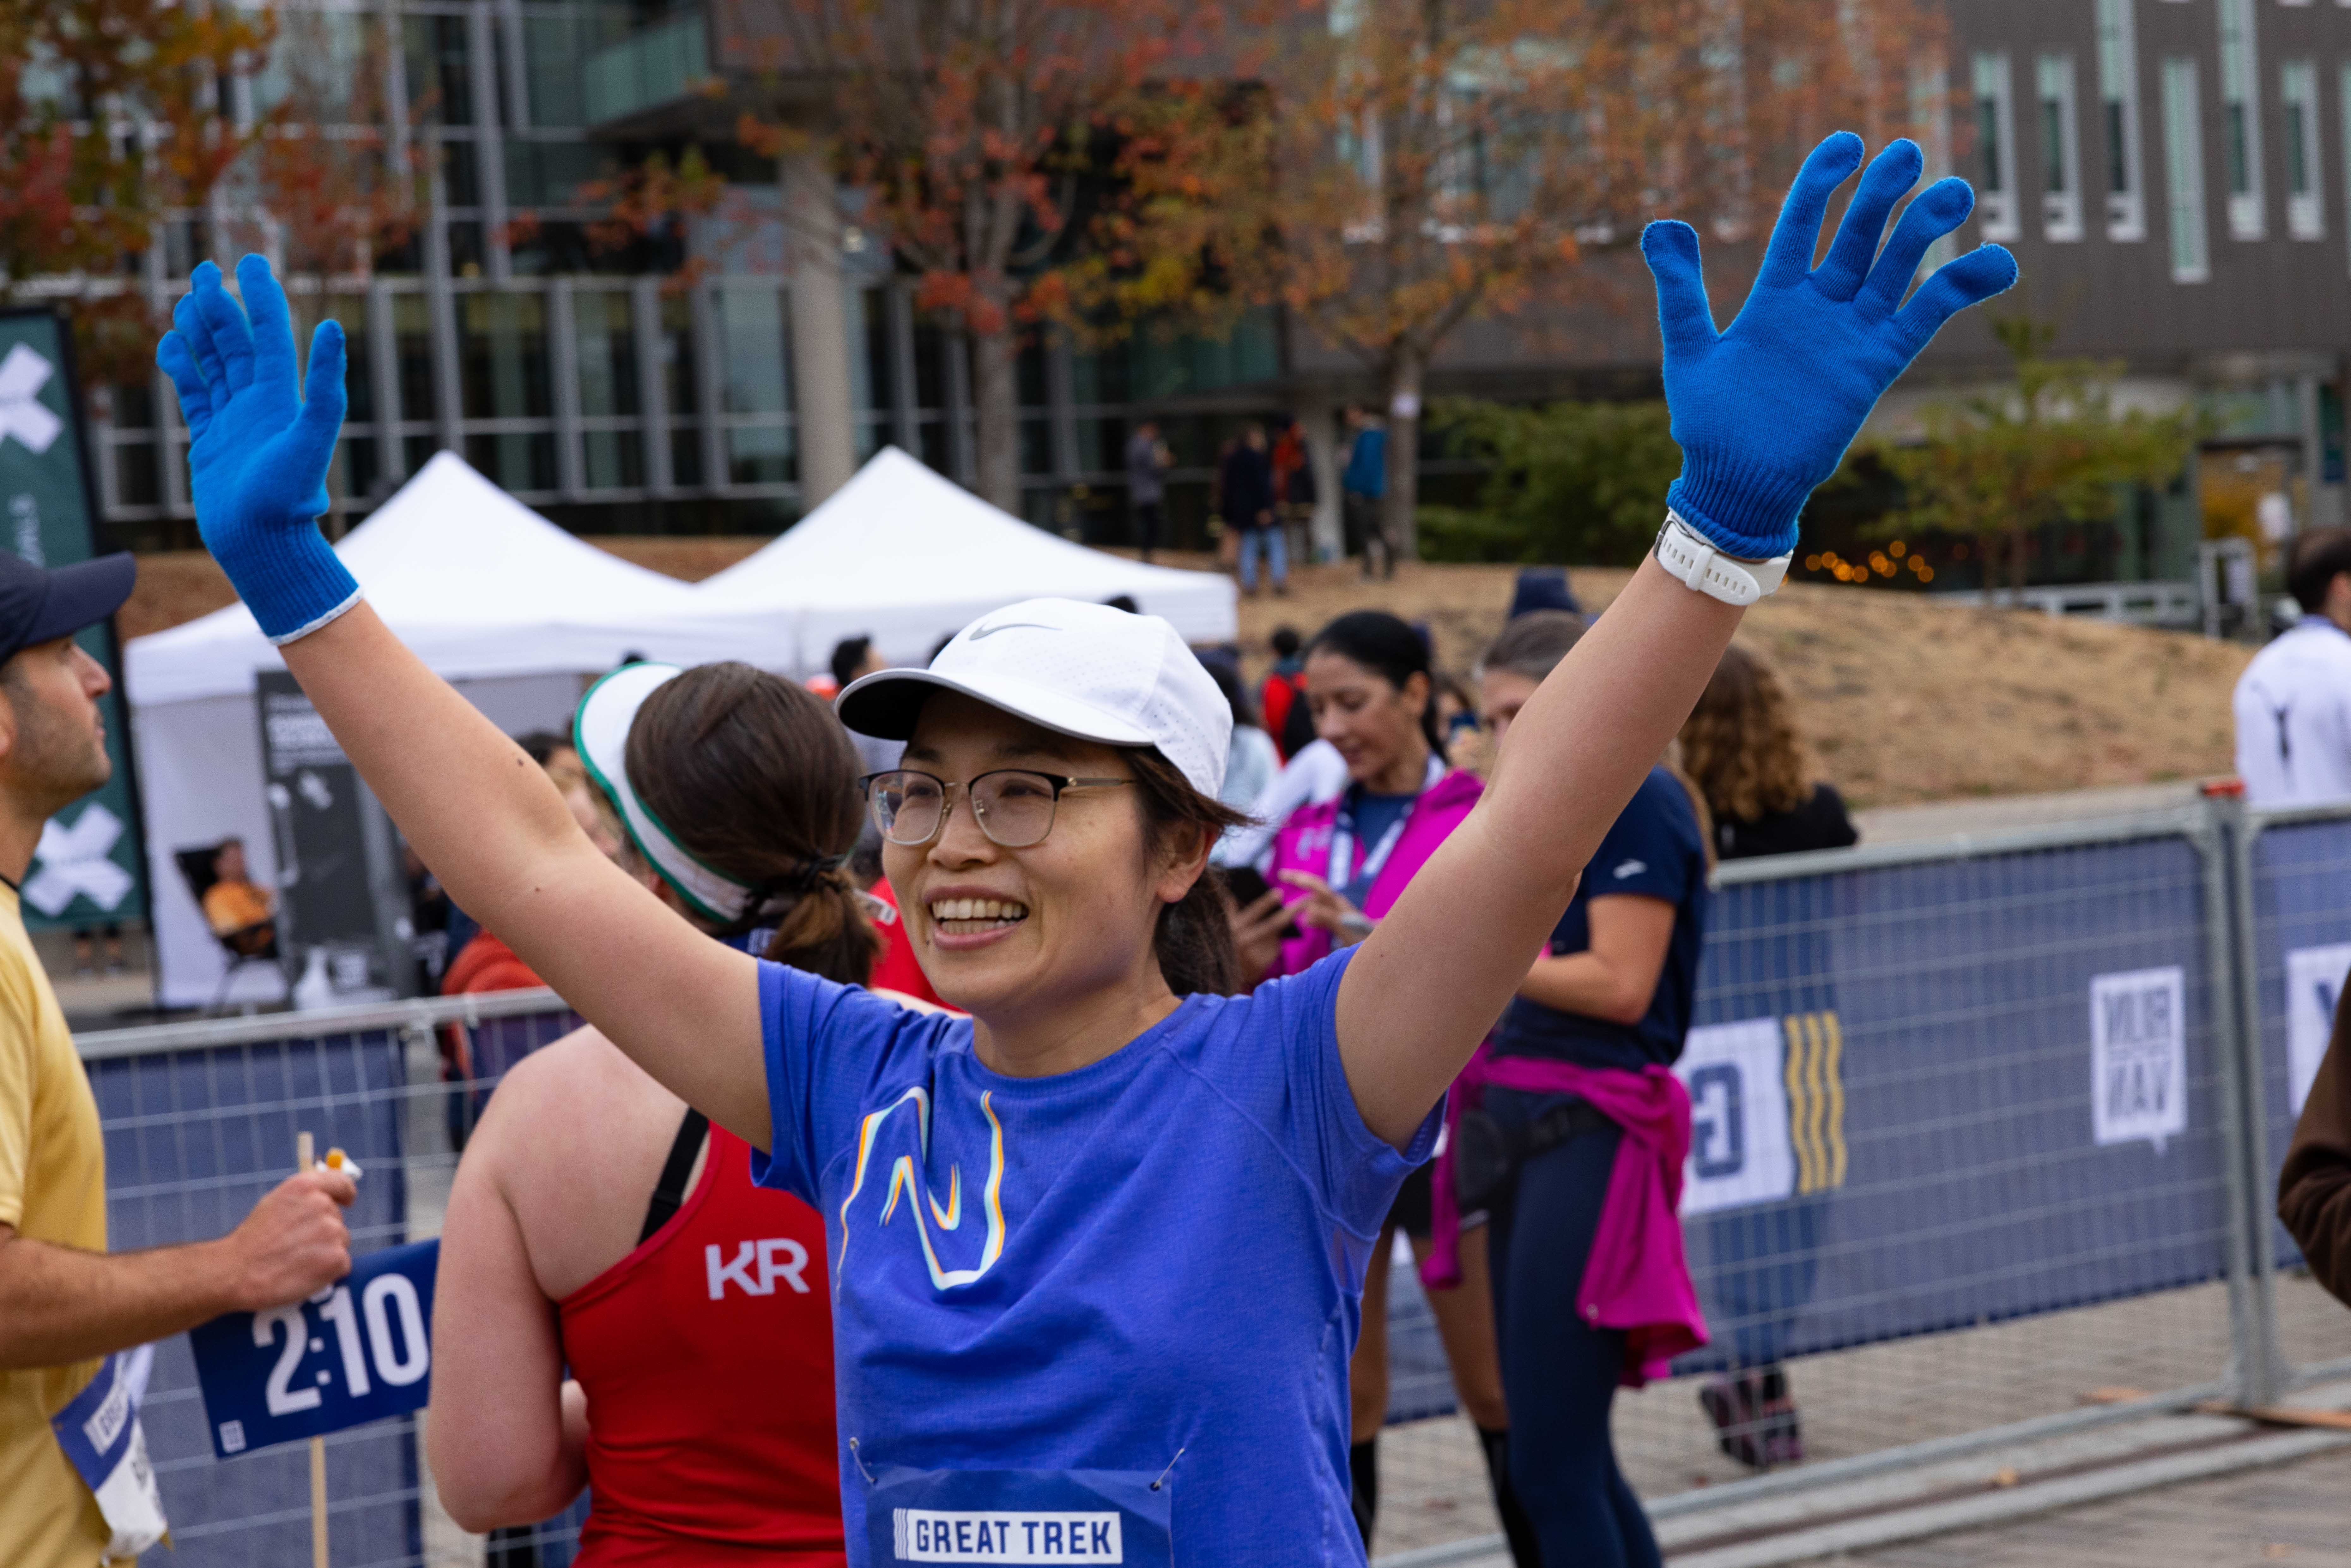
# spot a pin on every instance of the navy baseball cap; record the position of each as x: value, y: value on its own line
x: 37, y: 605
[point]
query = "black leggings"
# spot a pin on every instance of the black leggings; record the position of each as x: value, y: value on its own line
x: 1559, y: 1376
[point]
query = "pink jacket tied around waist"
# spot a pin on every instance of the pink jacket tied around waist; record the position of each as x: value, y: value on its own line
x: 1637, y: 1277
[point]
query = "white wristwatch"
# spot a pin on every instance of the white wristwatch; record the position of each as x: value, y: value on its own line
x: 1694, y: 559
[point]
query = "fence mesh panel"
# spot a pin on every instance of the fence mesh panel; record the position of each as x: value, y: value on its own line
x: 1946, y: 1174
x: 1897, y: 1192
x: 194, y: 1138
x: 2296, y: 887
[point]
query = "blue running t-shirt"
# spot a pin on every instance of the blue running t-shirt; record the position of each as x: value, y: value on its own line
x: 1158, y: 1254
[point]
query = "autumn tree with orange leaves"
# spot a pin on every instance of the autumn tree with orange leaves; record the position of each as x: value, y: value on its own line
x: 1431, y: 160
x: 110, y: 117
x: 987, y: 139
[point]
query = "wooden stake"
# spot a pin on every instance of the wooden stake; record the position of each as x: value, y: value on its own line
x: 304, y: 1154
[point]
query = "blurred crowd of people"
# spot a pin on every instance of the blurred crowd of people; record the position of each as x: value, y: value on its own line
x: 1263, y: 495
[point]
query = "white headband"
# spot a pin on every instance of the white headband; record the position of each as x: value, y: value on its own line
x: 601, y: 732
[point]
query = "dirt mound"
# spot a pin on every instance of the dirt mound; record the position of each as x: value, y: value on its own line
x: 1905, y: 700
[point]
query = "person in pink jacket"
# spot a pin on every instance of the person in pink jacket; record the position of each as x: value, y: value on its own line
x: 1338, y: 866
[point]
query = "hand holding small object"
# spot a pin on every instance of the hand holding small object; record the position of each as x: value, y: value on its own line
x: 1325, y: 908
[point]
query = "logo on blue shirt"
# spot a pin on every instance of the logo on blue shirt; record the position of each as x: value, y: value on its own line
x: 908, y: 1182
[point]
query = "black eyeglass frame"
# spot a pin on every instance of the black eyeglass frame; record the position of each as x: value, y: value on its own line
x: 1057, y: 783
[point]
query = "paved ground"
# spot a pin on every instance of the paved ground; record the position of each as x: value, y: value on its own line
x: 1433, y: 1487
x: 2297, y: 1513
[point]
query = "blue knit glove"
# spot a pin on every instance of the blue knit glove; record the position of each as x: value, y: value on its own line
x: 259, y: 454
x: 1764, y: 412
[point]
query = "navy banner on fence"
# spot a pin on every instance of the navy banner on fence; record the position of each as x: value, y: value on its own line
x: 1935, y: 1096
x: 1991, y: 1091
x: 356, y: 1352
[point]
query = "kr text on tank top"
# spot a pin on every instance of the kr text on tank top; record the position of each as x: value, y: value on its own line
x: 706, y: 1355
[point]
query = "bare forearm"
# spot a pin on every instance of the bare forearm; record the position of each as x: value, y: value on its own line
x: 492, y: 826
x: 1583, y: 983
x: 475, y: 808
x: 520, y: 1485
x: 1595, y: 729
x: 58, y: 1304
x: 1480, y: 910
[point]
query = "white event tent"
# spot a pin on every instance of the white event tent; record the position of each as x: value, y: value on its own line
x: 490, y: 594
x: 907, y: 556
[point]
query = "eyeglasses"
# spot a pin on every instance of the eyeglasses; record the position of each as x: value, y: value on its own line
x: 1013, y: 806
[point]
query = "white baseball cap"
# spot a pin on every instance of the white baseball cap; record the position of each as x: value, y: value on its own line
x: 1077, y: 669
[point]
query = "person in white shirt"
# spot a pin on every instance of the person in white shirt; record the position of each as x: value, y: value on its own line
x: 2294, y: 701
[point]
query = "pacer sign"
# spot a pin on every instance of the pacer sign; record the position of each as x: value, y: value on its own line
x: 2138, y: 1056
x: 356, y: 1352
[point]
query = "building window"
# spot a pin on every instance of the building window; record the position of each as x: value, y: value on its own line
x: 2183, y: 165
x: 2240, y: 122
x: 756, y: 386
x: 2305, y: 209
x: 2060, y: 149
x: 506, y: 389
x: 2343, y: 100
x: 1995, y: 149
x: 2118, y: 91
x: 605, y: 348
x: 1930, y: 111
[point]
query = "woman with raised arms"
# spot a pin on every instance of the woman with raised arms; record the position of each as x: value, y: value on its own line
x: 1095, y: 1249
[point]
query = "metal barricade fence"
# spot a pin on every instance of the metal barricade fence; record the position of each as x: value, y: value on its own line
x: 1986, y: 1136
x: 2293, y: 895
x: 1972, y: 1162
x: 200, y: 1121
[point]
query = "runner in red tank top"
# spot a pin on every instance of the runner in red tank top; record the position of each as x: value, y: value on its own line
x: 697, y: 1332
x: 690, y: 1350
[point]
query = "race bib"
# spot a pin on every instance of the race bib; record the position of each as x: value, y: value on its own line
x: 102, y: 1440
x: 1019, y: 1516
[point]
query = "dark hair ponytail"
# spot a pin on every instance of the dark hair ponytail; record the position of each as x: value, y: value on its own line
x: 1193, y: 939
x: 1390, y: 650
x: 756, y: 778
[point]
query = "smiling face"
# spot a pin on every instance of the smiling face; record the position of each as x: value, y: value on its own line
x: 1374, y: 724
x: 1019, y: 937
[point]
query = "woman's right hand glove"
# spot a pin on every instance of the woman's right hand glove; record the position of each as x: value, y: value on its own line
x: 258, y: 454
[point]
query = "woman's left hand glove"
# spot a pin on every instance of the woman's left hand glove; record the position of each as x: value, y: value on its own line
x: 258, y: 454
x: 1764, y: 412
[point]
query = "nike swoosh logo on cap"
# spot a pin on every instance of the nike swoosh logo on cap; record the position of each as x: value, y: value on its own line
x: 1010, y: 626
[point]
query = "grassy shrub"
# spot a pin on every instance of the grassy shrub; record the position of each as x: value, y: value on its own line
x: 1568, y: 483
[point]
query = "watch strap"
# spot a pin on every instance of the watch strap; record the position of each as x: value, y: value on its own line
x: 1695, y: 560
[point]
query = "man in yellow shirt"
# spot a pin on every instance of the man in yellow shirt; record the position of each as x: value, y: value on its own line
x: 66, y: 1305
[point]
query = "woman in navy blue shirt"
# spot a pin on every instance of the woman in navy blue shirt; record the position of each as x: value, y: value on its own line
x: 1612, y: 992
x: 1096, y: 1247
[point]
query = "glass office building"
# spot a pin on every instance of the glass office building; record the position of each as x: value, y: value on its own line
x: 596, y: 384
